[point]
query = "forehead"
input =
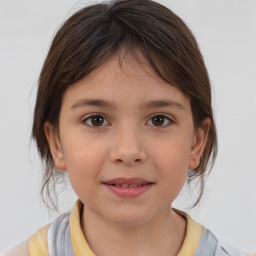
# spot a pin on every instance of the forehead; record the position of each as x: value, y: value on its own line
x: 126, y: 81
x: 127, y: 66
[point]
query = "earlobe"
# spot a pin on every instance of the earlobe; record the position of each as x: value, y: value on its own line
x: 55, y: 146
x: 200, y: 139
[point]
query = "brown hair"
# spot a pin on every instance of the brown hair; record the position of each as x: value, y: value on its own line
x: 96, y: 32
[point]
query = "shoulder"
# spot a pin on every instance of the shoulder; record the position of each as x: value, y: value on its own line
x: 204, y: 242
x: 209, y: 243
x: 19, y: 250
x: 229, y: 250
x: 47, y: 239
x: 35, y: 245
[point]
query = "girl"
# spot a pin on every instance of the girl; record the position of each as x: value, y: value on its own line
x: 124, y: 107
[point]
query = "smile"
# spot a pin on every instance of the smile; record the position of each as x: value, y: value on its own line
x: 128, y: 187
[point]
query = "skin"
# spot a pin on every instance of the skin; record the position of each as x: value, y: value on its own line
x: 127, y: 143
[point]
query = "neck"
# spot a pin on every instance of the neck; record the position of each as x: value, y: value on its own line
x: 163, y: 235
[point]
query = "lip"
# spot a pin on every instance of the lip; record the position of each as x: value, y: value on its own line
x: 138, y: 186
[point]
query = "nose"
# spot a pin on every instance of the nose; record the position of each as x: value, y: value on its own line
x: 128, y: 148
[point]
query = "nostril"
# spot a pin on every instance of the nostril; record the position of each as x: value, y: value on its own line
x: 138, y: 160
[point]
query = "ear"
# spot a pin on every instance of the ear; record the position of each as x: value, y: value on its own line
x: 199, y: 142
x: 55, y: 146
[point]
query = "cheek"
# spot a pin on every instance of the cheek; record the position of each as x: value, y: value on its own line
x: 81, y: 152
x: 173, y: 154
x: 171, y: 161
x: 84, y: 162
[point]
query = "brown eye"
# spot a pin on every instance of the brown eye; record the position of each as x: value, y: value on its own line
x: 97, y: 120
x: 94, y: 121
x: 160, y: 120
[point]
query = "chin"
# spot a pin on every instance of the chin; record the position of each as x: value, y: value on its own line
x: 127, y: 218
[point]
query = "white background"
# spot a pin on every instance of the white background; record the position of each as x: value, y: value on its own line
x: 226, y: 32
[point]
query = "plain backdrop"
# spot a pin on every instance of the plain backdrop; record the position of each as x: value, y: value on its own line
x: 226, y: 32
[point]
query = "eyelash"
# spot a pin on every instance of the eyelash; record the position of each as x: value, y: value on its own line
x: 84, y: 121
x: 91, y: 116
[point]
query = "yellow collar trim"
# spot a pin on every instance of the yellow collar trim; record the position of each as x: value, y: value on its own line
x: 37, y: 243
x: 80, y: 246
x: 193, y: 235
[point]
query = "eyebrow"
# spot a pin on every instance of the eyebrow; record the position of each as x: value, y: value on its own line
x: 162, y: 103
x: 92, y: 102
x: 149, y: 104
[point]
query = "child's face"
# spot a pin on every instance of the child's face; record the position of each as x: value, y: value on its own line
x: 126, y: 142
